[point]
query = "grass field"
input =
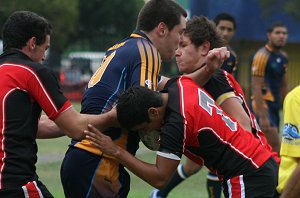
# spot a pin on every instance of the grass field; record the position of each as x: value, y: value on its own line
x: 51, y: 153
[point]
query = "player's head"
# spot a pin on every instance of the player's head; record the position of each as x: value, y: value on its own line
x: 165, y: 20
x: 277, y: 35
x: 138, y: 109
x: 198, y: 38
x: 24, y: 29
x: 226, y: 25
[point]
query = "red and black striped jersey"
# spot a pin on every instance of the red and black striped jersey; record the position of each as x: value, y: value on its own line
x: 26, y: 88
x: 196, y: 126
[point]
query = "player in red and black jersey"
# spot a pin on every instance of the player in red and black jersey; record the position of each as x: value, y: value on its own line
x: 26, y: 88
x: 223, y: 88
x: 192, y: 124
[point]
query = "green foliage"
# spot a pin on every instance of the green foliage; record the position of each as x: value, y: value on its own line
x: 289, y: 6
x: 104, y: 22
x: 62, y: 14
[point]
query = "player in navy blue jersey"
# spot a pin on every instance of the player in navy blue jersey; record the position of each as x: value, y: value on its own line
x: 26, y: 88
x: 134, y: 61
x: 269, y: 83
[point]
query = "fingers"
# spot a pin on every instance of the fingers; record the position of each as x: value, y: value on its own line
x: 219, y: 53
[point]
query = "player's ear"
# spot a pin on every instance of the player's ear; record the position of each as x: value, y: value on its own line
x: 31, y: 43
x: 162, y: 29
x: 153, y: 113
x: 205, y: 47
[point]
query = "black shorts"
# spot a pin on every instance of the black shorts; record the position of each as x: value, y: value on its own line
x: 34, y: 189
x: 259, y: 183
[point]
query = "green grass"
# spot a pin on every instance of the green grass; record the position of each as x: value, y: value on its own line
x: 50, y: 158
x: 51, y: 153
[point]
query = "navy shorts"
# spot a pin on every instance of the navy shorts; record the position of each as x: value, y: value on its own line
x: 259, y: 183
x: 84, y: 174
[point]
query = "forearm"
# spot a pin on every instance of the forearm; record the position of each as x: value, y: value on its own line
x: 258, y: 99
x: 74, y: 123
x: 292, y: 187
x: 150, y: 173
x: 48, y: 129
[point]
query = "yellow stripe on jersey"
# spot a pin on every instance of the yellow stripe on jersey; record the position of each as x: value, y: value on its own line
x: 225, y: 96
x: 259, y: 63
x: 99, y: 73
x: 149, y: 81
x: 116, y: 46
x: 143, y: 62
x: 157, y: 64
x: 136, y: 35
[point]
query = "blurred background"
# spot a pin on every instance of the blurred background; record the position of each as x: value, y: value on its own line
x: 84, y: 29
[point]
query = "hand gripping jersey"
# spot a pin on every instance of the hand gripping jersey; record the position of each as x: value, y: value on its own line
x: 27, y: 88
x: 230, y: 63
x: 196, y: 126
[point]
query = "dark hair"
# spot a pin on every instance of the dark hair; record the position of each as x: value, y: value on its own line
x: 156, y: 11
x: 133, y: 105
x: 226, y: 17
x: 200, y: 29
x: 21, y: 26
x: 275, y: 25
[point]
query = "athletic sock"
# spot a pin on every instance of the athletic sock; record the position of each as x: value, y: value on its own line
x: 177, y: 178
x: 214, y: 187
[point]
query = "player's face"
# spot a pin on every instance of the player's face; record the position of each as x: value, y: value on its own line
x: 171, y: 40
x: 278, y: 37
x: 39, y: 53
x: 187, y: 55
x: 226, y: 29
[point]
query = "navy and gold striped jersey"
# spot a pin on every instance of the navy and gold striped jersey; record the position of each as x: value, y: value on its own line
x: 272, y: 66
x: 132, y: 62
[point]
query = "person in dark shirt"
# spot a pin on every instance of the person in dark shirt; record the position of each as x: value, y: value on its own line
x: 269, y: 82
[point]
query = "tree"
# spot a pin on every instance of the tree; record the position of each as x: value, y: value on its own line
x: 62, y: 14
x: 102, y: 22
x: 289, y: 6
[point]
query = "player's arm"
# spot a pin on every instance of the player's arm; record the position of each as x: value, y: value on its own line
x: 292, y: 187
x: 74, y: 123
x: 157, y: 175
x: 260, y: 110
x: 284, y: 87
x: 232, y: 106
x: 48, y: 129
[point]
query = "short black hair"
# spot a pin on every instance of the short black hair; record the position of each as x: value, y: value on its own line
x: 21, y: 26
x: 226, y: 17
x: 200, y: 29
x: 156, y: 11
x: 133, y: 105
x: 275, y: 25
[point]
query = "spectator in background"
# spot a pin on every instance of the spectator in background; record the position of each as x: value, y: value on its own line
x: 269, y: 83
x: 289, y: 169
x: 226, y: 25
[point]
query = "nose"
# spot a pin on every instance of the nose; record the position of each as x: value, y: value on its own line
x: 177, y: 52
